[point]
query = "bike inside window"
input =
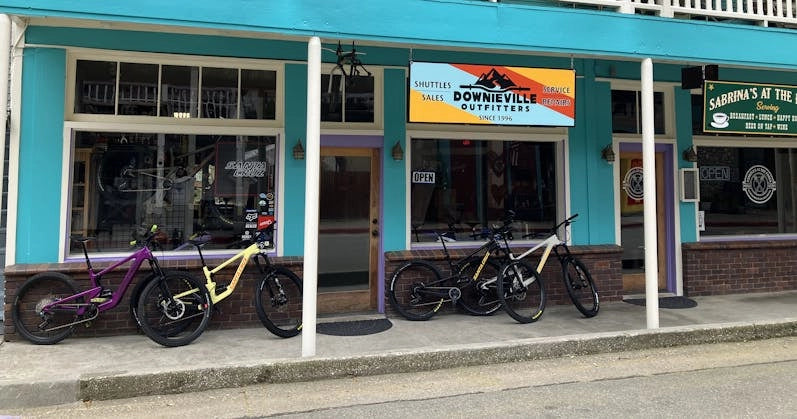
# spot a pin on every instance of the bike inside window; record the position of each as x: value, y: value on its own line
x: 209, y: 187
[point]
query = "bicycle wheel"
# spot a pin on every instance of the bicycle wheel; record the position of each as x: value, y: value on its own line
x: 580, y: 287
x: 278, y: 300
x: 136, y: 296
x: 521, y: 292
x: 479, y: 297
x: 36, y: 325
x: 410, y: 290
x: 174, y: 310
x: 119, y: 186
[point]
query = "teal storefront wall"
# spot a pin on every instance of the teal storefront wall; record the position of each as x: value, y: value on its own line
x: 464, y: 24
x: 42, y: 127
x: 40, y: 155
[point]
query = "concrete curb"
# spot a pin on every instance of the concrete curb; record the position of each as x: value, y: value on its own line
x: 296, y: 370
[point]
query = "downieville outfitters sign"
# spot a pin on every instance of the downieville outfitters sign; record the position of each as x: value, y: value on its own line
x: 487, y: 94
x: 749, y: 108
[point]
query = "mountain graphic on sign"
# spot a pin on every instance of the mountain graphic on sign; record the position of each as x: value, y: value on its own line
x: 495, y: 81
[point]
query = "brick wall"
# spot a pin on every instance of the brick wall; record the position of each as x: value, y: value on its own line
x: 715, y: 268
x: 603, y: 262
x: 235, y: 311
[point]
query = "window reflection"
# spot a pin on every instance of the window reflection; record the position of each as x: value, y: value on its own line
x: 211, y: 184
x: 462, y: 185
x: 95, y: 87
x: 219, y: 93
x: 138, y: 89
x: 627, y: 114
x: 747, y: 190
x: 179, y: 87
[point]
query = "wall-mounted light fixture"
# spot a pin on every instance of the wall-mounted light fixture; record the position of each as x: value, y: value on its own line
x: 690, y: 154
x: 397, y: 152
x: 298, y: 150
x: 608, y: 153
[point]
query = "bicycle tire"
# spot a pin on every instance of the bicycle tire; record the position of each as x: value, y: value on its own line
x: 171, y: 322
x: 39, y: 290
x: 136, y: 296
x: 278, y: 302
x: 479, y: 297
x: 523, y: 302
x: 580, y: 287
x: 406, y: 294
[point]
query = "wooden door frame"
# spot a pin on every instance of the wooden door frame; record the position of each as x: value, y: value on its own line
x: 360, y: 300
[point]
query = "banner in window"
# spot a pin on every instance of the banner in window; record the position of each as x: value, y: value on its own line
x: 490, y: 94
x: 749, y: 108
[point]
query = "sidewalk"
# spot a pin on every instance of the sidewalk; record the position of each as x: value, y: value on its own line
x: 129, y: 366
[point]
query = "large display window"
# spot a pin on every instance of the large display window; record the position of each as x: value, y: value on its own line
x: 458, y: 186
x: 208, y: 186
x: 748, y: 190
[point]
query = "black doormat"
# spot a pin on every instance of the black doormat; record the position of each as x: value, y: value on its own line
x: 354, y: 327
x: 667, y: 302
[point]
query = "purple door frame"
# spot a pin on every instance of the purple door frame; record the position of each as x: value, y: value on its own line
x: 367, y: 141
x: 669, y: 208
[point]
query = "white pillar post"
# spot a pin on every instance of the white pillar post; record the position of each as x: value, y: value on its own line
x: 311, y: 192
x: 649, y: 197
x: 5, y: 68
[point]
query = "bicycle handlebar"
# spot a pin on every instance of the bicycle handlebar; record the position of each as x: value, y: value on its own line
x: 148, y: 236
x: 566, y: 222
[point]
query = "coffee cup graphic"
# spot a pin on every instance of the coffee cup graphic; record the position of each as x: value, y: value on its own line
x: 719, y: 120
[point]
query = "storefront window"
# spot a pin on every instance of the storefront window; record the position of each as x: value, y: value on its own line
x: 746, y: 191
x: 219, y: 93
x: 461, y: 185
x: 359, y: 94
x: 95, y: 87
x: 627, y: 112
x: 138, y: 89
x: 179, y: 85
x: 189, y: 185
x: 173, y: 91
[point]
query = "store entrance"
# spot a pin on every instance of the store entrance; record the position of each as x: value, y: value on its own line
x: 348, y: 239
x: 632, y: 225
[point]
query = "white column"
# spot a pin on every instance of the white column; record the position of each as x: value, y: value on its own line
x: 313, y: 163
x: 649, y: 197
x: 5, y: 75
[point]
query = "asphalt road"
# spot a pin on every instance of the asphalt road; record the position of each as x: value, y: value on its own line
x: 750, y: 379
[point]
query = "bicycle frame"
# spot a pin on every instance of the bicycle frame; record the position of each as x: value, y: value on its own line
x: 244, y: 255
x: 549, y: 243
x: 92, y: 294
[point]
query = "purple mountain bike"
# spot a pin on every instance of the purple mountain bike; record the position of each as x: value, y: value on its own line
x: 48, y: 305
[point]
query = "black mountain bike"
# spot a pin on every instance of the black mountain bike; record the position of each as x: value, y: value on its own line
x: 418, y: 289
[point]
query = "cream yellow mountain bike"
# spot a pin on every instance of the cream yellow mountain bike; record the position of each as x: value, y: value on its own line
x: 278, y: 294
x: 518, y: 276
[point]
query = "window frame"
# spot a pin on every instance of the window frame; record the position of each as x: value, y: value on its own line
x: 558, y: 136
x: 67, y: 176
x: 73, y: 55
x: 378, y: 123
x: 741, y: 142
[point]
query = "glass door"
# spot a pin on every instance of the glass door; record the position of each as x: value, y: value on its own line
x: 632, y: 237
x: 348, y: 230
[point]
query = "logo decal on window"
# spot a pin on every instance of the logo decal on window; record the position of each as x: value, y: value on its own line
x: 759, y: 184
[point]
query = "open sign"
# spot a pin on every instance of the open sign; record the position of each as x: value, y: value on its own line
x: 422, y: 177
